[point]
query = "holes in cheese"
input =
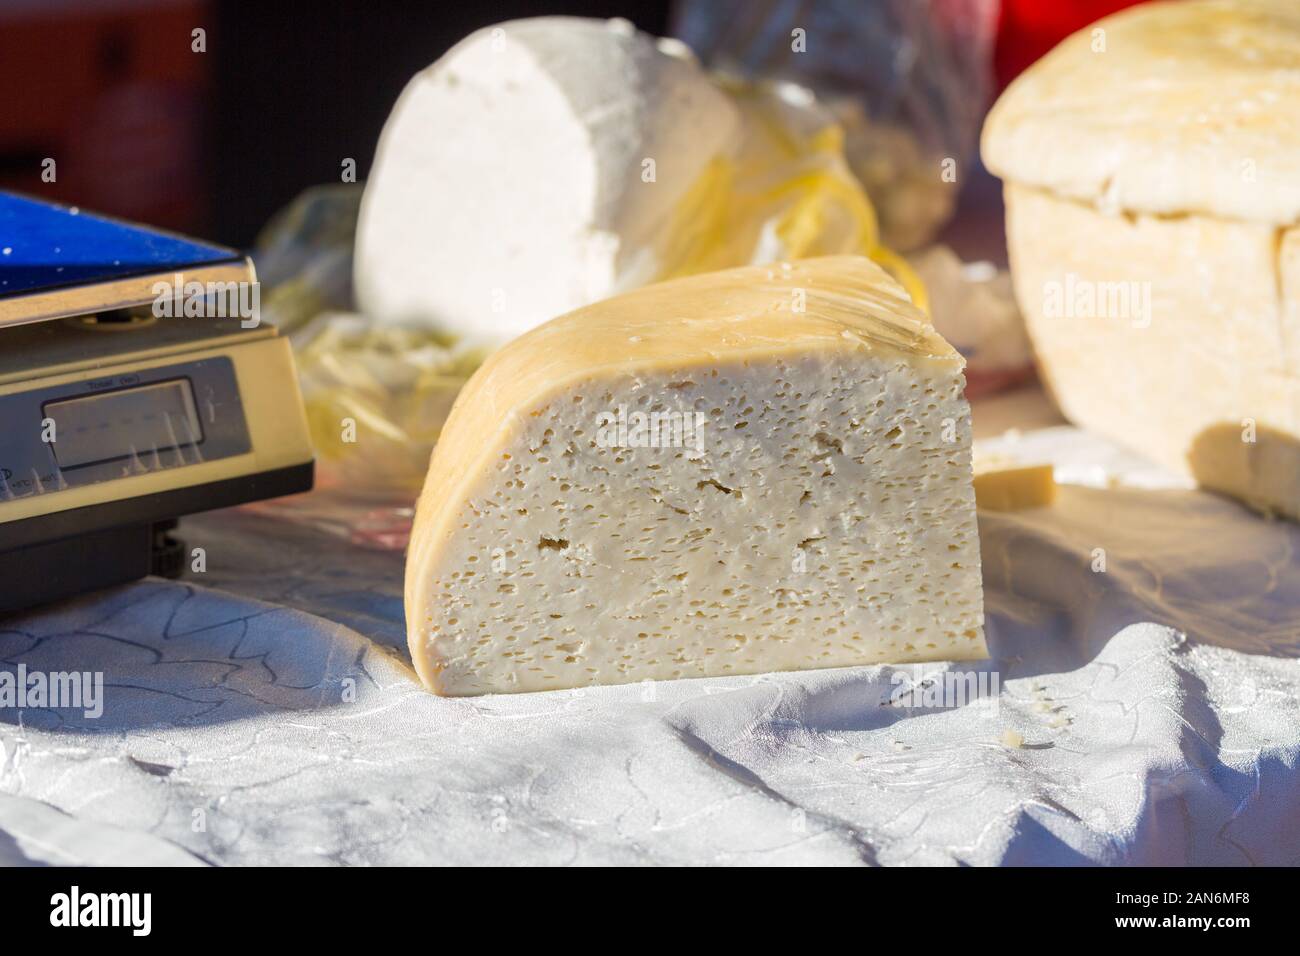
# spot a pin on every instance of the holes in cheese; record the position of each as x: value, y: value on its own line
x: 761, y: 469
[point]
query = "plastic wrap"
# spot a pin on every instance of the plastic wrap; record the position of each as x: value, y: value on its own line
x: 304, y: 256
x: 973, y: 306
x: 375, y: 398
x: 908, y: 81
x: 786, y: 193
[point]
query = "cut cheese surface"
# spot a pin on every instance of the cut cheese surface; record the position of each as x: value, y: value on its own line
x: 1176, y: 337
x: 753, y: 470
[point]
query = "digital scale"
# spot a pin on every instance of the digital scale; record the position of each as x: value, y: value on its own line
x: 133, y: 390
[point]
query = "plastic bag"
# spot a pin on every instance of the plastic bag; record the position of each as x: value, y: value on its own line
x: 908, y: 80
x: 786, y: 193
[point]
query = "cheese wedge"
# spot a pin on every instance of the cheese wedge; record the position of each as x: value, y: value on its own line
x: 761, y: 469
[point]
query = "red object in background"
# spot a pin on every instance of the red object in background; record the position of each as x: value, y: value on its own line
x: 113, y: 92
x: 1030, y: 28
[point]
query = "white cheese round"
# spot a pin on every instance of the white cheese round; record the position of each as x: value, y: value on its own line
x: 529, y: 171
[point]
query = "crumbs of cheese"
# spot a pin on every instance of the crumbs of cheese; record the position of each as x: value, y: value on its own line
x: 754, y: 470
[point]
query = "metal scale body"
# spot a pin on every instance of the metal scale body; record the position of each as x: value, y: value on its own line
x: 116, y: 417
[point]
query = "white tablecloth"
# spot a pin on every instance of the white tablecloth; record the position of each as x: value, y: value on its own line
x: 265, y: 712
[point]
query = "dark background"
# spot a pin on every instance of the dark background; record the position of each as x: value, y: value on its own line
x: 213, y: 143
x: 299, y: 93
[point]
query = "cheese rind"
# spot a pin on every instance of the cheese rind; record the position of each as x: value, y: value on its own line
x: 1165, y: 108
x: 820, y: 513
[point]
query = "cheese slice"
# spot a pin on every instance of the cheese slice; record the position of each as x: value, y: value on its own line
x: 1012, y: 487
x: 761, y: 469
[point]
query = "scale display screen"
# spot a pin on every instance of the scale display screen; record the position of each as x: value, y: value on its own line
x: 120, y: 425
x: 132, y: 422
